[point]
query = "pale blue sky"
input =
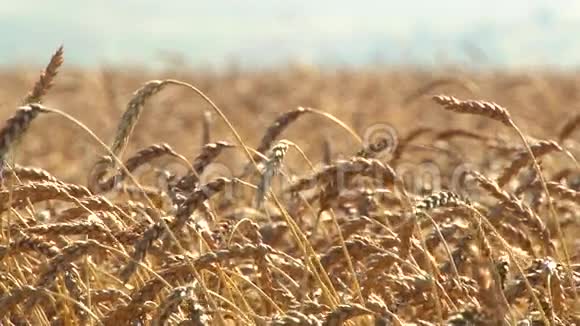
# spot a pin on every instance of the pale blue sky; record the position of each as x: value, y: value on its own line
x: 262, y: 33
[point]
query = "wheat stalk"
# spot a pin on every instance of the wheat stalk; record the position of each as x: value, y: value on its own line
x: 45, y: 81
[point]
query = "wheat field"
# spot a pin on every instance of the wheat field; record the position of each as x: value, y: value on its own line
x: 296, y: 196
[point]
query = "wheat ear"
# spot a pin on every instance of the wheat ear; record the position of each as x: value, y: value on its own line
x: 44, y: 82
x: 496, y: 112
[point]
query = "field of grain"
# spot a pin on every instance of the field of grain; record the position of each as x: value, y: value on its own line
x: 290, y: 197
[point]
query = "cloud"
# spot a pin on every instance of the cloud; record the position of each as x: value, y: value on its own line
x: 259, y: 32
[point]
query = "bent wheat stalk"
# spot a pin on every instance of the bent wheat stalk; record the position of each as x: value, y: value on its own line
x: 496, y: 112
x: 17, y: 126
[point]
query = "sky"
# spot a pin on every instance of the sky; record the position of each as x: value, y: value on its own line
x: 267, y: 33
